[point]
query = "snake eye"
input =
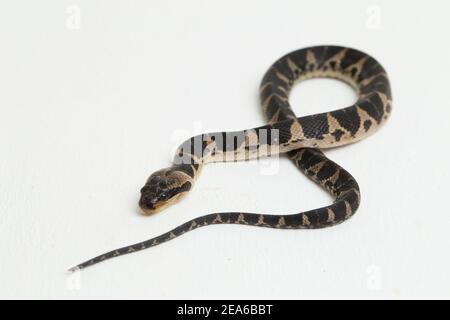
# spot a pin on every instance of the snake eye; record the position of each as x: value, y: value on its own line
x: 163, y: 196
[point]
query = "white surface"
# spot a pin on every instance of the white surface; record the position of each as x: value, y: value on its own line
x: 87, y: 114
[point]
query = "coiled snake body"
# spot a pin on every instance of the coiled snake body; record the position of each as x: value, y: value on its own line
x: 301, y: 138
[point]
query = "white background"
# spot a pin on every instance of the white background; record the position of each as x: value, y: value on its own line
x: 95, y: 96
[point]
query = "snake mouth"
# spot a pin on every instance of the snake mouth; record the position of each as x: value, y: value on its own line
x: 149, y: 211
x: 149, y: 208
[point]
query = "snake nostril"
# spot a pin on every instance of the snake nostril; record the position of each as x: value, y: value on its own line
x: 147, y: 198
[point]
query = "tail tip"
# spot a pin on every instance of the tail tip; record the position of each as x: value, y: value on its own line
x: 72, y: 270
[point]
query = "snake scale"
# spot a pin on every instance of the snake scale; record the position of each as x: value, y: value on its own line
x: 300, y: 138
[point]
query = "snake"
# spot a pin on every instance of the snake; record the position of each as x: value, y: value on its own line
x: 300, y: 138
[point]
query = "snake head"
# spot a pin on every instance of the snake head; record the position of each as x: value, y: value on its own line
x: 163, y: 188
